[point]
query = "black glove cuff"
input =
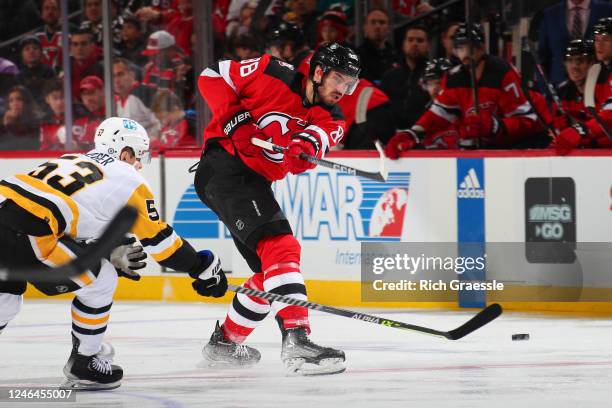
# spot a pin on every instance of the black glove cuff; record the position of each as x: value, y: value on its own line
x: 240, y: 118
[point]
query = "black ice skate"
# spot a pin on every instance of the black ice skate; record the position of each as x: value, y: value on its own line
x: 302, y: 357
x: 90, y: 372
x: 220, y: 352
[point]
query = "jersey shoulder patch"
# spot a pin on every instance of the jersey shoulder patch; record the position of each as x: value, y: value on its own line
x: 284, y: 72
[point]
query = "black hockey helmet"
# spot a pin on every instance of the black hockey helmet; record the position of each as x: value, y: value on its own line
x: 603, y: 26
x: 463, y: 35
x: 286, y: 32
x: 435, y: 68
x: 338, y: 58
x: 579, y: 48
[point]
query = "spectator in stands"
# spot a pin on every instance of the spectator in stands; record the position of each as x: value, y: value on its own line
x: 91, y: 114
x: 332, y: 28
x: 52, y: 129
x: 245, y: 46
x: 133, y: 42
x: 403, y: 83
x: 304, y: 13
x: 8, y: 78
x: 51, y: 36
x: 578, y: 60
x: 19, y: 128
x: 129, y: 105
x: 33, y: 73
x: 242, y: 24
x: 166, y: 68
x: 84, y: 60
x: 376, y: 53
x: 287, y: 42
x: 92, y: 13
x: 180, y: 25
x: 562, y: 22
x: 175, y: 129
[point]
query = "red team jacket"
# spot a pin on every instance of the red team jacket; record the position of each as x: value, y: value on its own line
x: 603, y: 105
x: 499, y: 91
x: 272, y: 92
x: 572, y: 101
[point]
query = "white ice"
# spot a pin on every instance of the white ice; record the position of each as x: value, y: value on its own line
x: 567, y: 362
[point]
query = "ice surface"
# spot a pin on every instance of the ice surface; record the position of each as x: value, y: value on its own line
x: 567, y: 362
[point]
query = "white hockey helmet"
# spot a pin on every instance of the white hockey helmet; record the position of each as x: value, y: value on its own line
x: 115, y: 134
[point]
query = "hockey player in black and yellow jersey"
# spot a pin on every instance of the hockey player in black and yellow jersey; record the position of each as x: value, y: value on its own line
x: 47, y: 214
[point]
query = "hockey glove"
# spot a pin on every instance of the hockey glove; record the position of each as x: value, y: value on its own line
x: 402, y: 140
x: 238, y: 126
x: 483, y: 126
x: 569, y: 139
x: 210, y: 280
x: 297, y: 146
x: 128, y: 258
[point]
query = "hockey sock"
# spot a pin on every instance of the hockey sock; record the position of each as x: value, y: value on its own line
x: 245, y: 312
x: 88, y: 325
x: 280, y: 259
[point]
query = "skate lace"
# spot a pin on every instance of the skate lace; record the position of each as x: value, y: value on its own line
x: 102, y: 365
x: 241, y: 351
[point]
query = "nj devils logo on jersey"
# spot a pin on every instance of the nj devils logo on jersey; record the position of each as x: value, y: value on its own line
x: 278, y: 126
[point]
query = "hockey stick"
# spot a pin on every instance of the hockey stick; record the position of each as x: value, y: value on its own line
x: 589, y: 97
x: 113, y: 235
x: 380, y: 176
x: 527, y: 71
x: 483, y: 317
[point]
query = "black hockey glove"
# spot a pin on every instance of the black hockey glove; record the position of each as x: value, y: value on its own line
x: 210, y: 280
x: 128, y: 258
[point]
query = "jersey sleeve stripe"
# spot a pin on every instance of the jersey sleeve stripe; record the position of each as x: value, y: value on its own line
x: 157, y: 239
x: 224, y: 70
x: 169, y: 251
x: 165, y: 243
x: 35, y: 204
x: 322, y: 134
x: 446, y: 113
x: 211, y: 73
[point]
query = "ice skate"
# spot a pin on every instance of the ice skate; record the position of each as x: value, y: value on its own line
x: 220, y: 352
x: 90, y: 372
x: 303, y: 357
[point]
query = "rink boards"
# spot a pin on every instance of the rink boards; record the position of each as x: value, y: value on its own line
x: 503, y: 196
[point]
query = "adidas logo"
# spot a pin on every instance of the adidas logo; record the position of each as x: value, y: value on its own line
x: 470, y: 186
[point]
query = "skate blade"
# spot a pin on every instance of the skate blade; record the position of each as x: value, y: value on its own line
x: 83, y: 385
x: 327, y: 366
x: 208, y: 362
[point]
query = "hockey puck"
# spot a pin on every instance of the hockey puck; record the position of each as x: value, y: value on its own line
x: 522, y: 336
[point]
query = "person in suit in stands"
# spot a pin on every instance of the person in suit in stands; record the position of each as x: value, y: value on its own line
x: 562, y: 22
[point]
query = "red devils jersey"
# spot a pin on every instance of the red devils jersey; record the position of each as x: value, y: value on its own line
x: 603, y: 104
x: 272, y: 92
x: 53, y: 133
x: 51, y: 45
x: 572, y: 101
x: 499, y: 91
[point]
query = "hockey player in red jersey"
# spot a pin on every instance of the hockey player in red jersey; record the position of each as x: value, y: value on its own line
x: 444, y: 139
x: 578, y: 59
x: 503, y: 117
x: 591, y: 133
x: 268, y: 99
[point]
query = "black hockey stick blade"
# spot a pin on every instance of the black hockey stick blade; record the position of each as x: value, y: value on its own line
x: 485, y: 316
x: 113, y: 236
